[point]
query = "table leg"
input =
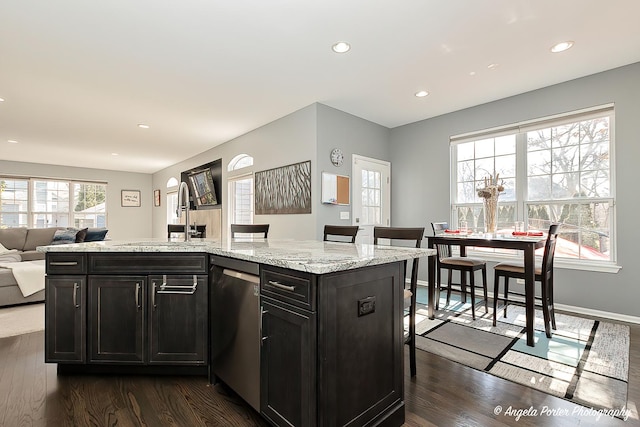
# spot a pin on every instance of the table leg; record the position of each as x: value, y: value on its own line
x: 529, y: 292
x: 431, y: 285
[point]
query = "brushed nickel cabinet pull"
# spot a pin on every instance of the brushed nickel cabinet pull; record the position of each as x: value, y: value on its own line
x: 63, y: 263
x: 281, y: 286
x: 153, y: 295
x: 138, y: 295
x: 75, y: 295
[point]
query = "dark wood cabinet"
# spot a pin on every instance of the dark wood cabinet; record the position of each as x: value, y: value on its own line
x: 178, y: 319
x: 117, y: 319
x: 153, y: 313
x: 361, y: 347
x: 332, y: 347
x: 65, y: 317
x: 288, y: 364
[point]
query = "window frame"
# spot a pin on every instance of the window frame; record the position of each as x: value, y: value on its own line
x: 522, y: 201
x: 70, y: 212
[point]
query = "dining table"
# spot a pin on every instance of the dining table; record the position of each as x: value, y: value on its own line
x: 527, y: 243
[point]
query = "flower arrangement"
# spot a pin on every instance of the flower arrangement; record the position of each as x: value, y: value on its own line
x: 490, y: 192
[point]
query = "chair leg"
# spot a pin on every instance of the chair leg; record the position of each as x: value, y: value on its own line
x: 484, y: 287
x: 463, y: 285
x: 545, y: 308
x: 496, y: 284
x: 552, y: 311
x: 472, y: 287
x: 449, y: 283
x: 412, y: 336
x: 506, y: 293
x: 437, y: 301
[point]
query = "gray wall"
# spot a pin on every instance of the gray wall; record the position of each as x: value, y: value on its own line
x: 307, y: 134
x: 123, y: 223
x: 421, y: 176
x: 290, y: 139
x: 353, y: 135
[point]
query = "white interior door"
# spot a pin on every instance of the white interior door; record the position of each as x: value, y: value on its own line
x: 371, y: 195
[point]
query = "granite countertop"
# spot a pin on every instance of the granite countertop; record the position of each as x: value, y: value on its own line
x: 303, y: 255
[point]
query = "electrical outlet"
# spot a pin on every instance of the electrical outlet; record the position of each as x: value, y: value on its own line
x: 344, y: 215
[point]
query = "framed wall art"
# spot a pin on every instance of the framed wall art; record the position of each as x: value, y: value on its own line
x: 156, y: 197
x: 284, y: 190
x: 130, y: 198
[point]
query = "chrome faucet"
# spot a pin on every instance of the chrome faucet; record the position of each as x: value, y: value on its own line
x: 183, y: 199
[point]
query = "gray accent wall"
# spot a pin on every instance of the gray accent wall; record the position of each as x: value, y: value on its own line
x: 421, y: 175
x: 353, y: 135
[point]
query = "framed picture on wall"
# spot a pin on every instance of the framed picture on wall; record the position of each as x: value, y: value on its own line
x: 156, y: 197
x: 130, y: 198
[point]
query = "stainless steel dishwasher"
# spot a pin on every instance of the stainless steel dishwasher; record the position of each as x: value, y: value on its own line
x: 235, y: 326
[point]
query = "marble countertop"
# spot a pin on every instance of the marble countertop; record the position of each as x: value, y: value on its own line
x: 303, y: 255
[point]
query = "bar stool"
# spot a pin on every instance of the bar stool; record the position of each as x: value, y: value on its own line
x: 340, y: 230
x: 464, y: 265
x: 249, y: 229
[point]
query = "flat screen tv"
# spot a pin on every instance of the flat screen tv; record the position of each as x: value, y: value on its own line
x: 204, y: 191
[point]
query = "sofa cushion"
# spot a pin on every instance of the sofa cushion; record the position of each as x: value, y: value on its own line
x: 13, y: 238
x: 64, y: 236
x: 95, y: 234
x: 39, y: 237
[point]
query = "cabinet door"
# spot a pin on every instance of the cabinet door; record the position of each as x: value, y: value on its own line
x: 288, y: 364
x: 116, y: 319
x: 65, y: 317
x: 178, y: 319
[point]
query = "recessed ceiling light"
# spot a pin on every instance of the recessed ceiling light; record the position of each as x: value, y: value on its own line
x: 472, y: 73
x: 12, y: 141
x: 422, y: 94
x: 341, y: 47
x: 143, y: 126
x: 114, y: 154
x: 492, y: 66
x: 562, y: 46
x: 1, y: 99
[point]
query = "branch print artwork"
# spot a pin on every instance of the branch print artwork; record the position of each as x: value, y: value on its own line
x: 284, y: 190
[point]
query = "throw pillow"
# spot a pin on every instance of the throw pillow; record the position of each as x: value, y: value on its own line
x: 65, y: 236
x: 80, y: 235
x: 95, y: 234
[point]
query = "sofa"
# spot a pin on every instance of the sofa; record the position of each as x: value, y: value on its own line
x: 19, y: 245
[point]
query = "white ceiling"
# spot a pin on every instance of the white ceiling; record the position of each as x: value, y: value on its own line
x: 78, y: 76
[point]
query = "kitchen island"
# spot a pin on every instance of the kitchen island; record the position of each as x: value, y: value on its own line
x: 330, y: 339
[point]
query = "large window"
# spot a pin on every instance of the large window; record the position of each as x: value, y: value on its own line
x: 557, y: 170
x: 40, y: 203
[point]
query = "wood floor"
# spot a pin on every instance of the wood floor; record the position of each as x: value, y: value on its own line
x: 443, y: 393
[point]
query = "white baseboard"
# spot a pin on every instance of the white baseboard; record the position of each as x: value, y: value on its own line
x: 580, y: 310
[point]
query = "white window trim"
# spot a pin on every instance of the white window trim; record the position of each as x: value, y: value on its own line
x: 529, y: 125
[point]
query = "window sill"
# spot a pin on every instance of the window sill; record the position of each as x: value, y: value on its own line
x: 567, y: 264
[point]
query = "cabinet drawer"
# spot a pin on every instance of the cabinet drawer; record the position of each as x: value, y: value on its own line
x: 147, y: 263
x: 284, y: 286
x: 66, y: 263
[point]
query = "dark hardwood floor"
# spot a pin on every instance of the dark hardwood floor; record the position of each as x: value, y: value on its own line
x: 443, y: 393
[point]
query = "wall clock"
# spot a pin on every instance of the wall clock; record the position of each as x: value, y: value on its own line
x: 337, y: 157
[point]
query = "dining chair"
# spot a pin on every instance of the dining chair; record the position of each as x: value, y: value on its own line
x: 543, y: 274
x: 340, y: 230
x: 415, y: 235
x: 464, y: 265
x: 249, y: 229
x: 200, y: 230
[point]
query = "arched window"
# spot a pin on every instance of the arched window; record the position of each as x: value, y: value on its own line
x: 240, y: 161
x: 240, y: 191
x: 172, y: 200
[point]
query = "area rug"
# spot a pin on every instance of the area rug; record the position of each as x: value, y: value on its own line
x: 21, y: 319
x: 586, y: 361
